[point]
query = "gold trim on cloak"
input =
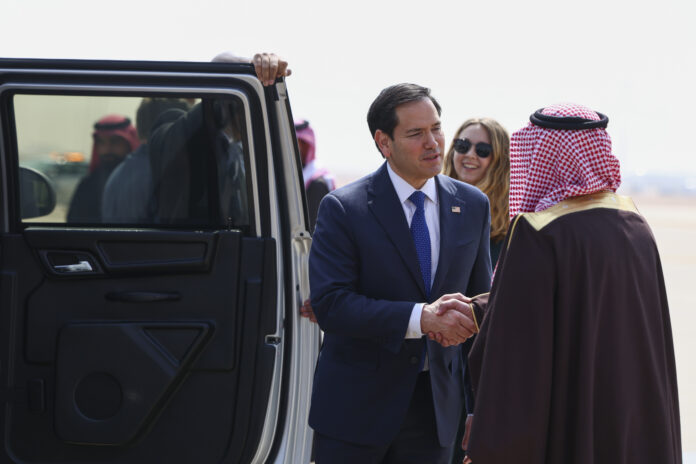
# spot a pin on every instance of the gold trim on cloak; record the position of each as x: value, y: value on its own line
x: 512, y: 229
x: 471, y: 306
x: 610, y: 200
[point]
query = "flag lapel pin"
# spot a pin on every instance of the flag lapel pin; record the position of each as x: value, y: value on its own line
x: 456, y: 209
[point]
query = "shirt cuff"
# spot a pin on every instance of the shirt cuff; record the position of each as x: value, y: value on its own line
x: 414, y: 324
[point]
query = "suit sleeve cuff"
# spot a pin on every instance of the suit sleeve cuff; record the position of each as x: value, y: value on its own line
x: 414, y: 323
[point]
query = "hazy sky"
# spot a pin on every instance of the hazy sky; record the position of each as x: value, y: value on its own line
x: 631, y: 60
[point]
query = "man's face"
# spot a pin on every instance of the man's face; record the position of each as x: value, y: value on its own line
x: 415, y: 153
x: 304, y: 149
x: 111, y: 146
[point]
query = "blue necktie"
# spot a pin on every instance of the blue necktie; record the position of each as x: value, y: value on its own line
x: 421, y: 238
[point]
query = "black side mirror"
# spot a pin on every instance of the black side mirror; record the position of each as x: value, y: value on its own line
x: 36, y: 193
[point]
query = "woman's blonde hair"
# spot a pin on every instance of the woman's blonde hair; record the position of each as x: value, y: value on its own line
x: 495, y: 183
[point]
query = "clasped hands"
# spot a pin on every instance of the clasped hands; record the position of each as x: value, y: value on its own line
x: 449, y: 320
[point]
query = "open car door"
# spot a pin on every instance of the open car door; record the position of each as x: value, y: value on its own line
x: 149, y: 300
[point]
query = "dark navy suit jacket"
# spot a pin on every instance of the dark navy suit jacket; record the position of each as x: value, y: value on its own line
x: 365, y: 279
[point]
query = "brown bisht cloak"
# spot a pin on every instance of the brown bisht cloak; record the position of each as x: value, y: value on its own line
x: 575, y: 362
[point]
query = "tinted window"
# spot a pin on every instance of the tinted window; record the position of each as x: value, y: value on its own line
x: 139, y: 161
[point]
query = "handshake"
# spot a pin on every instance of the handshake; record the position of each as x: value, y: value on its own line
x: 449, y: 320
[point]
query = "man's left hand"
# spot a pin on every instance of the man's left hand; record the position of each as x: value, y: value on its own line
x: 307, y: 311
x: 465, y: 438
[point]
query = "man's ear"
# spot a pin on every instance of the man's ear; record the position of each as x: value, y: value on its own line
x: 383, y: 142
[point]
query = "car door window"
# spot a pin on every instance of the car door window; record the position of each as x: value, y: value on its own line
x: 141, y: 161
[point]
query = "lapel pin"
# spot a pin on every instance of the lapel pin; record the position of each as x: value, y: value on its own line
x: 456, y: 209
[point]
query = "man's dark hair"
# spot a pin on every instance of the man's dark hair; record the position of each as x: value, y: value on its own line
x: 382, y: 112
x: 150, y: 108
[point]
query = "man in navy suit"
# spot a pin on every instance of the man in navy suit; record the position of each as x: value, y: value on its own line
x: 390, y: 252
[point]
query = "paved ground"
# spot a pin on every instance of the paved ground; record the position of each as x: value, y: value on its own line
x: 673, y: 221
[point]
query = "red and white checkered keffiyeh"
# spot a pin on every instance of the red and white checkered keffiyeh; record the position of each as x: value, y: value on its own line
x: 550, y: 165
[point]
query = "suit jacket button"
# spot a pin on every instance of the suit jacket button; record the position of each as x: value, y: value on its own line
x: 414, y: 360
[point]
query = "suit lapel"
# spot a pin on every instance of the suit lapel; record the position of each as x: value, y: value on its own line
x: 384, y: 204
x: 452, y: 214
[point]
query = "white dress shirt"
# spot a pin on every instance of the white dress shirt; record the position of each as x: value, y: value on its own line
x: 432, y: 219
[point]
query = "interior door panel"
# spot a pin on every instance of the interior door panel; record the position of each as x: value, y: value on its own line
x: 179, y: 329
x: 112, y: 378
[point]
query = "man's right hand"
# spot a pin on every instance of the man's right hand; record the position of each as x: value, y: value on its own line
x: 448, y: 320
x: 268, y: 66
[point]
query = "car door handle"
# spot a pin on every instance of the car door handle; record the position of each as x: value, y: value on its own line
x: 143, y: 297
x: 82, y: 266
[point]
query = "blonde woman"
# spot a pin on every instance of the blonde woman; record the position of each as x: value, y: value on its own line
x: 479, y: 154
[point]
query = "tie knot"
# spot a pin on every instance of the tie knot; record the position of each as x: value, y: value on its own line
x: 417, y: 198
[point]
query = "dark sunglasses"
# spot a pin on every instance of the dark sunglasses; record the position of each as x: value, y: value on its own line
x: 483, y: 149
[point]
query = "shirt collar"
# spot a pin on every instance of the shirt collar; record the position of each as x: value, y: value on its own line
x: 404, y: 189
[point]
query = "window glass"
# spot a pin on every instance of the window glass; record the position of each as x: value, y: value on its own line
x: 137, y: 161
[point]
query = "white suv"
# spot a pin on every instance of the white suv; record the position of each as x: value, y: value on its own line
x: 165, y: 329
